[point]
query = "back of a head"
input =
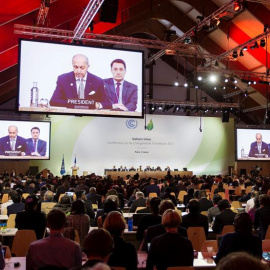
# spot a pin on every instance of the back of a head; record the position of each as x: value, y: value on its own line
x: 109, y: 206
x: 264, y: 200
x: 92, y: 190
x: 31, y: 202
x: 171, y: 219
x: 193, y: 206
x: 243, y: 223
x: 78, y: 207
x: 56, y: 219
x: 190, y: 191
x: 65, y: 200
x: 15, y: 197
x: 238, y: 260
x: 154, y: 204
x: 98, y: 243
x: 114, y: 223
x: 49, y: 196
x: 202, y: 194
x: 139, y: 194
x: 79, y: 194
x: 165, y: 205
x: 216, y: 199
x: 223, y: 204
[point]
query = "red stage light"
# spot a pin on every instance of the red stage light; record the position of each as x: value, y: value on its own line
x: 236, y: 6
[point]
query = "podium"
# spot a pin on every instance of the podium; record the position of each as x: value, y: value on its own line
x: 74, y: 170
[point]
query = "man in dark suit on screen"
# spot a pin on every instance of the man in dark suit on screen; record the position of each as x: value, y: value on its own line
x: 12, y: 145
x: 123, y: 95
x: 79, y: 85
x: 258, y: 148
x: 35, y: 146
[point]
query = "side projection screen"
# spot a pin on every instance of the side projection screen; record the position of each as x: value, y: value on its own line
x: 24, y: 140
x: 60, y: 78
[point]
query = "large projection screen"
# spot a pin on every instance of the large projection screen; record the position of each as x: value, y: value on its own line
x: 50, y: 68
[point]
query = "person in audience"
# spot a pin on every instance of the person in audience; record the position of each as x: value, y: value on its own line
x: 188, y: 196
x: 46, y: 205
x: 262, y: 216
x: 82, y: 186
x: 132, y: 197
x: 55, y: 250
x: 170, y: 249
x: 255, y: 207
x: 149, y: 220
x: 194, y: 218
x: 152, y: 188
x: 119, y: 195
x: 139, y: 202
x: 80, y: 195
x: 98, y: 246
x: 239, y: 260
x: 32, y: 218
x: 167, y: 195
x: 30, y: 188
x: 241, y: 240
x: 62, y: 190
x: 205, y: 204
x: 17, y: 205
x: 250, y: 202
x: 64, y: 204
x: 159, y: 229
x: 180, y: 186
x: 213, y: 211
x: 94, y: 198
x: 79, y: 220
x: 124, y: 254
x: 226, y: 217
x: 147, y: 209
x: 219, y: 188
x: 7, y: 203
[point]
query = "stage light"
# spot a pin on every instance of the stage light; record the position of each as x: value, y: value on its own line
x: 226, y: 80
x: 212, y: 78
x: 235, y: 54
x: 187, y: 40
x: 216, y: 63
x: 245, y: 48
x: 236, y: 6
x: 215, y: 88
x: 176, y: 83
x: 262, y: 42
x: 160, y: 107
x: 265, y: 27
x: 233, y: 80
x: 200, y: 18
x: 246, y: 93
x: 186, y: 84
x: 241, y: 53
x: 199, y: 78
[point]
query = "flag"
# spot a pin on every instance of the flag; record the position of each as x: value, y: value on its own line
x: 75, y: 161
x: 63, y: 170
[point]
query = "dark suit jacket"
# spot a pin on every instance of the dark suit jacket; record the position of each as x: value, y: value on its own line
x: 233, y: 242
x: 152, y: 188
x: 253, y: 152
x: 195, y: 220
x: 41, y: 147
x: 15, y: 208
x: 66, y: 89
x: 205, y: 204
x: 140, y: 202
x: 224, y: 218
x: 170, y: 249
x: 5, y: 145
x: 262, y: 220
x: 129, y: 95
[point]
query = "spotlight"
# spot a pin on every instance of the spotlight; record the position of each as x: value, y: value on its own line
x: 187, y: 40
x: 160, y: 107
x: 262, y: 42
x: 212, y: 78
x: 235, y: 54
x: 236, y: 6
x: 226, y: 80
x: 216, y: 21
x: 245, y: 48
x: 186, y: 84
x: 199, y: 78
x: 241, y: 53
x: 246, y: 93
x: 215, y: 88
x: 176, y: 83
x: 200, y: 18
x: 176, y: 108
x: 233, y: 80
x: 265, y: 28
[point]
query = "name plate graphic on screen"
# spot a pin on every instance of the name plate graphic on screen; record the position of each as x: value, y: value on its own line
x: 24, y: 140
x: 60, y: 78
x: 252, y: 144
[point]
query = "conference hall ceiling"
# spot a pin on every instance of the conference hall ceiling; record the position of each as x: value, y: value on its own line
x: 215, y: 27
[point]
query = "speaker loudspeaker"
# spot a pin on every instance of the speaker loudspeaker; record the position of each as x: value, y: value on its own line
x: 225, y: 116
x: 109, y: 11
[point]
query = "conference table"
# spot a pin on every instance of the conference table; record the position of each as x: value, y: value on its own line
x: 146, y: 174
x: 201, y: 262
